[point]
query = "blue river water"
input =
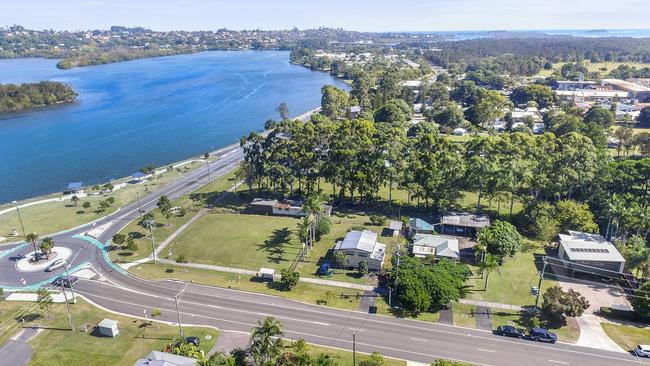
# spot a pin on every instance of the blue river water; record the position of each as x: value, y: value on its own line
x: 150, y: 111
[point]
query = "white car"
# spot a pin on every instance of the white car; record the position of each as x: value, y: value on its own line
x: 56, y: 265
x: 642, y: 350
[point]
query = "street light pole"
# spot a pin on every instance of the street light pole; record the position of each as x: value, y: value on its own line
x: 177, y: 299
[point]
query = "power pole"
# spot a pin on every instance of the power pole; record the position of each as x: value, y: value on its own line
x: 20, y: 218
x: 390, y: 297
x: 354, y: 349
x: 139, y: 204
x: 177, y: 299
x: 539, y: 285
x: 153, y: 242
x: 207, y: 164
x: 67, y: 307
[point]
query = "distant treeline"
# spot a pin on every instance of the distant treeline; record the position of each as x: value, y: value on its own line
x: 101, y: 57
x: 15, y: 97
x: 526, y: 56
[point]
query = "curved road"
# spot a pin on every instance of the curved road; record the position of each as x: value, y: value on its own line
x: 239, y: 311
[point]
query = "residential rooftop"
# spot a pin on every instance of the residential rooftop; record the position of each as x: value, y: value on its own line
x: 580, y: 246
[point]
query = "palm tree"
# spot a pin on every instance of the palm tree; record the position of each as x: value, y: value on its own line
x: 479, y: 251
x: 75, y: 200
x: 46, y: 246
x: 490, y: 263
x: 32, y: 238
x: 264, y: 347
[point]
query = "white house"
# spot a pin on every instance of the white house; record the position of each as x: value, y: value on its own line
x: 459, y: 131
x: 440, y: 246
x: 362, y: 246
x: 590, y: 250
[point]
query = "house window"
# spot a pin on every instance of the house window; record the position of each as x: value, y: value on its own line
x: 349, y: 253
x: 364, y: 255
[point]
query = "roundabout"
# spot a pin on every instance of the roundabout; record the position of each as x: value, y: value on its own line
x: 26, y: 265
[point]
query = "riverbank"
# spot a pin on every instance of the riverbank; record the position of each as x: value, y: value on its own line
x: 28, y: 96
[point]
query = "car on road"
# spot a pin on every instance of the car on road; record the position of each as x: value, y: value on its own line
x: 642, y: 350
x: 542, y: 335
x: 510, y: 331
x: 67, y: 281
x: 56, y: 265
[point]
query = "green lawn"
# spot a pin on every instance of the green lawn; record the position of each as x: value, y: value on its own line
x: 566, y: 332
x: 344, y: 358
x: 51, y: 217
x: 384, y: 309
x: 241, y: 241
x: 309, y: 293
x: 464, y: 315
x: 512, y: 282
x: 57, y: 345
x: 595, y: 67
x: 627, y: 337
x: 193, y: 203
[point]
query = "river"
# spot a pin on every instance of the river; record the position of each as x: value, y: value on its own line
x: 149, y: 111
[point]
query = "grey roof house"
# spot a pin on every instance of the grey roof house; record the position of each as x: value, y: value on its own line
x: 157, y: 358
x: 463, y: 223
x: 440, y: 246
x: 362, y: 245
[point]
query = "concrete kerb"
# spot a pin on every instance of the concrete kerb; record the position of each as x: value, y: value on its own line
x: 38, y: 285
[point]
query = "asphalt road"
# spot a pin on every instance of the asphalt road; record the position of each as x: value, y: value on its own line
x: 239, y: 311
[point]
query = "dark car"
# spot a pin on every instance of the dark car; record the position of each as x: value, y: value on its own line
x: 194, y: 340
x: 542, y: 335
x: 510, y: 331
x: 67, y: 281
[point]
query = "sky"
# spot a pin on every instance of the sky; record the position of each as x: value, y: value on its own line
x: 360, y: 15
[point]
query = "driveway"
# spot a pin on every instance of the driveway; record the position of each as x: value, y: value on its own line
x: 598, y: 295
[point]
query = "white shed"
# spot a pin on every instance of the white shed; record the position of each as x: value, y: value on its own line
x: 108, y: 328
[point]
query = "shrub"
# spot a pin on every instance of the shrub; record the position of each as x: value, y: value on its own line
x: 377, y: 220
x: 119, y: 238
x: 181, y: 259
x: 558, y: 303
x: 363, y: 268
x: 131, y: 245
x: 500, y: 239
x: 641, y: 301
x: 289, y: 279
x: 324, y: 227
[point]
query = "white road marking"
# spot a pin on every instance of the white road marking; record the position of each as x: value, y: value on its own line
x: 422, y: 328
x: 357, y: 329
x: 418, y: 339
x: 560, y: 362
x: 485, y: 350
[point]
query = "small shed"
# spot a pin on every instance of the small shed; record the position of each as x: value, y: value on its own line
x: 394, y: 228
x: 266, y: 274
x: 138, y: 176
x: 74, y: 187
x: 108, y: 328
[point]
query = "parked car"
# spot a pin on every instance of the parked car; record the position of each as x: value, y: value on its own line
x: 67, y: 281
x: 642, y: 350
x: 510, y: 331
x: 542, y: 335
x: 56, y: 265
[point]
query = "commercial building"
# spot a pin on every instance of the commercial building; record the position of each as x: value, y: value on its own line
x: 362, y: 246
x: 590, y: 250
x: 635, y: 91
